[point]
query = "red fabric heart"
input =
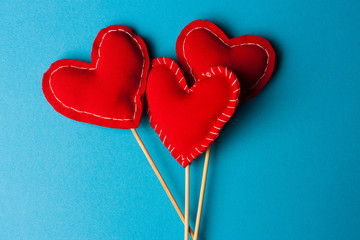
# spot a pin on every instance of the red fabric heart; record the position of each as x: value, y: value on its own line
x: 109, y: 90
x: 188, y: 120
x: 202, y: 44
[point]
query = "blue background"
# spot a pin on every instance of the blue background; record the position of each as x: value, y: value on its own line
x: 285, y: 167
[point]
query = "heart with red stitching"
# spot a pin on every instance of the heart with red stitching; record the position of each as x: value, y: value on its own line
x: 202, y: 44
x: 188, y: 120
x: 109, y: 90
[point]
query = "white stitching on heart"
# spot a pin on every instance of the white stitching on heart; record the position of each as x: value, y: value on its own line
x: 220, y: 120
x: 97, y: 61
x: 238, y: 45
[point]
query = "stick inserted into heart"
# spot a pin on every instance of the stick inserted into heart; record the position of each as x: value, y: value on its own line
x: 202, y: 44
x: 188, y: 120
x: 108, y: 91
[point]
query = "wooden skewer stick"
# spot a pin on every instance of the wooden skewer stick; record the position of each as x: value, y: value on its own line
x: 187, y: 191
x: 167, y: 190
x: 202, y: 192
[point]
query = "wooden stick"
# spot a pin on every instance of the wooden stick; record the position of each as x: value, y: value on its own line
x: 187, y: 191
x: 172, y: 199
x: 202, y: 192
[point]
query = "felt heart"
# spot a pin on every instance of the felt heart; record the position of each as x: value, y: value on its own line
x: 109, y: 90
x: 202, y: 44
x: 188, y: 120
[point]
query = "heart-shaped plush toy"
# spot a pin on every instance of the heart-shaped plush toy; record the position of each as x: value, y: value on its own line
x: 188, y: 120
x: 202, y: 44
x: 109, y: 90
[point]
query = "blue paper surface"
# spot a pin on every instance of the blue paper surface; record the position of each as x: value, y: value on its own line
x: 285, y: 167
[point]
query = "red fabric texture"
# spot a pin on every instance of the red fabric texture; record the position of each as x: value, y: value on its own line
x: 108, y: 91
x: 189, y: 120
x: 202, y: 44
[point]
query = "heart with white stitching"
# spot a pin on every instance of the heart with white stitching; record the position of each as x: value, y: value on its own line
x: 109, y: 90
x: 188, y: 120
x: 202, y: 44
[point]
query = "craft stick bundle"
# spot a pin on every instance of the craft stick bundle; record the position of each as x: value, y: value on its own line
x: 167, y: 190
x: 188, y: 103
